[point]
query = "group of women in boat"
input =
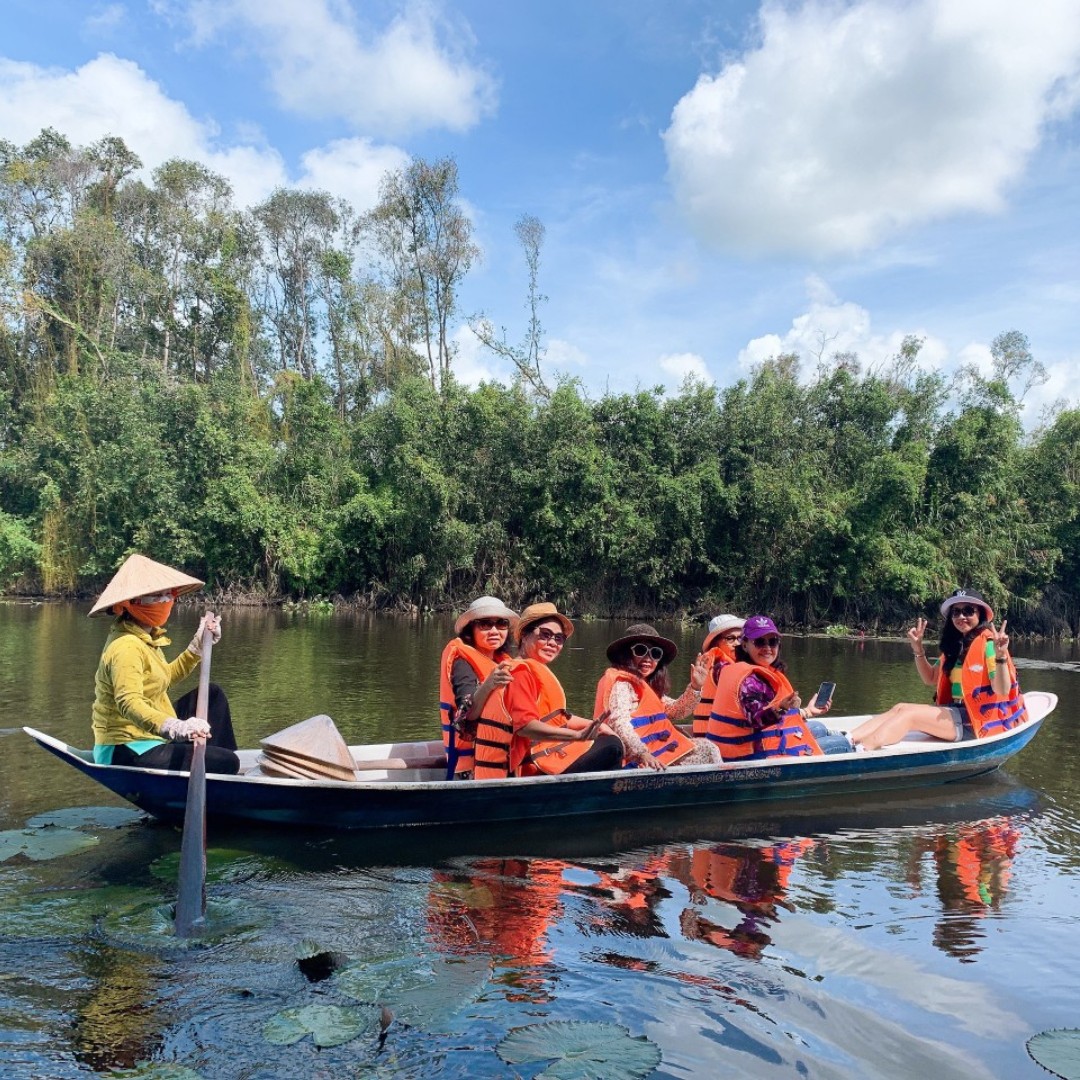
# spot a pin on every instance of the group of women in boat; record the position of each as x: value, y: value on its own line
x: 503, y: 716
x: 506, y: 715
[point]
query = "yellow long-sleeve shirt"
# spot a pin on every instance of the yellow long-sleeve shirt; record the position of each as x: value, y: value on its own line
x: 131, y: 688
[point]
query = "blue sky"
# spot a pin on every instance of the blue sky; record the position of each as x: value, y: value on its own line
x: 719, y: 182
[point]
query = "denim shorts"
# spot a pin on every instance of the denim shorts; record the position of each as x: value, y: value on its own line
x: 831, y: 742
x: 961, y: 724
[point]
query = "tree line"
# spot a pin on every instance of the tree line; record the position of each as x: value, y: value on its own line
x: 266, y: 397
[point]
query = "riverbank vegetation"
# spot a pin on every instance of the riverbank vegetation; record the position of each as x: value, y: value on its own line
x: 267, y: 399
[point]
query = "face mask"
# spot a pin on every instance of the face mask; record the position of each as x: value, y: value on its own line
x: 148, y: 614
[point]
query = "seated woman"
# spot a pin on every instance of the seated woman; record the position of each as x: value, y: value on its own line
x: 633, y: 694
x: 474, y: 664
x: 975, y: 679
x: 757, y: 714
x: 525, y: 727
x: 718, y: 649
x: 134, y: 722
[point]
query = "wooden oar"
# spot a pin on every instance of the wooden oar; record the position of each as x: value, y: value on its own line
x: 191, y: 891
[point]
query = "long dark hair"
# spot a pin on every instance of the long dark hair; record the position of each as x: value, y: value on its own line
x: 659, y: 680
x: 953, y: 643
x: 744, y: 656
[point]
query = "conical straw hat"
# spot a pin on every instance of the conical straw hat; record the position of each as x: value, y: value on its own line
x: 306, y: 766
x: 140, y: 576
x: 316, y: 740
x: 294, y: 769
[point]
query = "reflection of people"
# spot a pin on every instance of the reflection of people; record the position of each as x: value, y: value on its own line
x: 633, y: 693
x: 134, y: 722
x: 718, y: 649
x: 501, y: 908
x: 753, y: 880
x: 757, y: 714
x: 474, y: 664
x: 976, y: 689
x: 972, y: 876
x: 526, y: 727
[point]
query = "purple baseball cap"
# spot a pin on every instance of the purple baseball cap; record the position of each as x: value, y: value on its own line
x: 758, y: 626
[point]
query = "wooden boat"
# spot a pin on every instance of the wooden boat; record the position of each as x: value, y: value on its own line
x: 401, y: 784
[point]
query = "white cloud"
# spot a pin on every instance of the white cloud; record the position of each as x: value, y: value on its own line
x: 829, y: 326
x: 411, y: 75
x: 474, y: 364
x: 352, y: 169
x: 852, y: 121
x: 682, y: 365
x: 111, y: 96
x: 105, y: 20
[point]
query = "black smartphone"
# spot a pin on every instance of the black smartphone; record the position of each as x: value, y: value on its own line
x: 824, y: 695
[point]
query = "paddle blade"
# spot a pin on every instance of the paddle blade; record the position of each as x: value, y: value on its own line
x: 191, y: 895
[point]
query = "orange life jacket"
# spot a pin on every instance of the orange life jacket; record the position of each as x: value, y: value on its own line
x: 732, y: 732
x: 459, y: 747
x: 718, y: 657
x: 664, y: 740
x: 989, y: 713
x: 500, y: 752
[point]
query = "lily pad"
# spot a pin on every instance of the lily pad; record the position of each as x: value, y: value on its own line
x: 425, y: 991
x: 1058, y: 1052
x: 583, y: 1051
x: 42, y: 844
x: 66, y: 914
x: 154, y: 924
x: 328, y: 1025
x: 79, y: 817
x: 222, y: 864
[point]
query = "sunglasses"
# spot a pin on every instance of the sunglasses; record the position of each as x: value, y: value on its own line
x: 764, y: 642
x: 734, y: 638
x: 639, y: 650
x: 965, y: 610
x: 544, y: 634
x: 491, y: 624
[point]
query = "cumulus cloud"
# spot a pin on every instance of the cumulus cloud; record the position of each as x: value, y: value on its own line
x: 321, y: 61
x: 849, y: 122
x: 831, y: 325
x: 681, y: 366
x: 111, y: 96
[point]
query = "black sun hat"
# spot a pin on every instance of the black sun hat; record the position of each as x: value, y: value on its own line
x: 647, y: 634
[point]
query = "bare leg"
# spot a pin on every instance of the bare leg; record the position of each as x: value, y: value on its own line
x: 890, y: 727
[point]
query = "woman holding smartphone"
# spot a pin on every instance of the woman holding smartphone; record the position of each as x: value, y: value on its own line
x: 977, y: 693
x: 757, y: 713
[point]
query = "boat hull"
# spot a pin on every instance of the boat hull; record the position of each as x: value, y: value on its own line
x: 418, y: 797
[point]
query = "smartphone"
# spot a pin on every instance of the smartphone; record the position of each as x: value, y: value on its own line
x: 824, y: 695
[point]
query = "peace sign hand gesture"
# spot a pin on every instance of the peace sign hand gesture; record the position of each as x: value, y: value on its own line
x: 1001, y: 640
x: 915, y: 636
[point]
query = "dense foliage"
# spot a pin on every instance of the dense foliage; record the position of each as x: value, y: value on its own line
x: 266, y: 398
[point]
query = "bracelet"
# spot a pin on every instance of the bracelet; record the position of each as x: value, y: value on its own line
x: 920, y: 656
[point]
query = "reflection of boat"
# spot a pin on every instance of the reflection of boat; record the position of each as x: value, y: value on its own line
x: 410, y: 796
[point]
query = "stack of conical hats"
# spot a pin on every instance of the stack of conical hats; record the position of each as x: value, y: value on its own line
x: 310, y: 750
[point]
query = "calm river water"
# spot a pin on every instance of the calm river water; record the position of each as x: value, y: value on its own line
x: 928, y: 934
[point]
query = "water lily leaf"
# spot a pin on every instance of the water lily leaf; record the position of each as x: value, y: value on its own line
x: 1058, y: 1052
x: 584, y: 1051
x: 425, y: 991
x: 66, y: 914
x: 222, y: 864
x: 154, y: 923
x: 78, y: 817
x: 41, y: 844
x: 328, y: 1025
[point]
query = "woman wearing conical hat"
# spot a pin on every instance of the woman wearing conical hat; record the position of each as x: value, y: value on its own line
x: 133, y: 719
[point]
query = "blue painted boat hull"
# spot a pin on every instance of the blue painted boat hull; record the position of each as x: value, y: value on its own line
x: 424, y: 799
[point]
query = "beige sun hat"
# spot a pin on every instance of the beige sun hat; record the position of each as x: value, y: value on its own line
x: 535, y: 613
x: 140, y: 576
x: 720, y: 625
x: 485, y: 607
x: 312, y: 748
